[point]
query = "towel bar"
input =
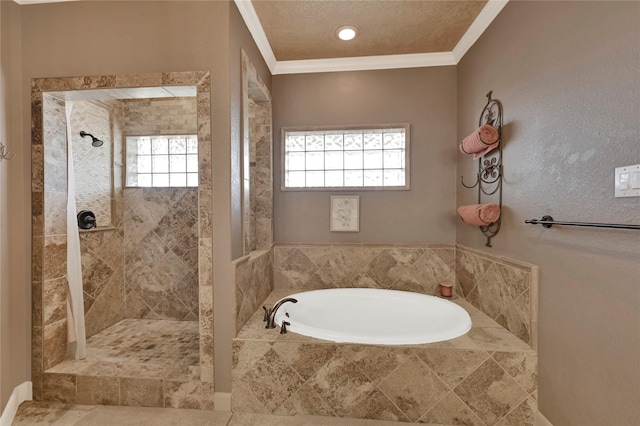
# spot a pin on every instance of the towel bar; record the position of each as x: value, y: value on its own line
x: 547, y: 222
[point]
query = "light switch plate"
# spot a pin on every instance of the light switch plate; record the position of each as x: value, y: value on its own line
x: 626, y: 183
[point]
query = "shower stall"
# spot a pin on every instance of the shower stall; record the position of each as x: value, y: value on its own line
x: 147, y: 307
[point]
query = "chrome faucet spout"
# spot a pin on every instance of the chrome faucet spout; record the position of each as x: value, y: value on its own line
x: 270, y: 314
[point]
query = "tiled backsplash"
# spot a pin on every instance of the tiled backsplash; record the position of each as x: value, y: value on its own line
x: 410, y: 268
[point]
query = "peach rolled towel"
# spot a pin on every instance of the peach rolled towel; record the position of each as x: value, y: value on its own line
x: 480, y: 142
x: 479, y: 214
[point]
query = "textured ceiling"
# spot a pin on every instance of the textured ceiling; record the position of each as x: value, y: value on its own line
x: 305, y: 29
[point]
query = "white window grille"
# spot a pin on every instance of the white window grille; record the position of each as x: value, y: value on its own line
x: 162, y: 161
x: 348, y: 158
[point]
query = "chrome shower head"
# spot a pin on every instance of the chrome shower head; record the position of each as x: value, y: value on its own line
x: 95, y: 141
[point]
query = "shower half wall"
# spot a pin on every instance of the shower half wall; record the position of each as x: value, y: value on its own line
x: 107, y: 253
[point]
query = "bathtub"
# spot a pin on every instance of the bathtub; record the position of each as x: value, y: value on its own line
x: 373, y: 316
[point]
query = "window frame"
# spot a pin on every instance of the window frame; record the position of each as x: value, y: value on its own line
x: 346, y: 128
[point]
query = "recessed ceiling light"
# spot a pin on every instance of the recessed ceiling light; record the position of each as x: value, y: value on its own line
x: 347, y: 32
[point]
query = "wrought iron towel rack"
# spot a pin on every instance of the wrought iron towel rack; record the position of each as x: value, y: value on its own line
x: 489, y: 176
x: 547, y: 222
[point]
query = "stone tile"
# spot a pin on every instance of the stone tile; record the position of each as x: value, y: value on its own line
x: 516, y: 318
x: 183, y: 394
x: 108, y: 308
x: 469, y: 269
x: 205, y: 262
x: 37, y: 412
x: 490, y: 392
x: 450, y: 410
x: 55, y: 257
x: 376, y: 362
x: 272, y: 381
x: 59, y: 387
x: 244, y: 401
x: 521, y: 366
x: 305, y: 401
x: 451, y: 365
x: 94, y: 390
x: 413, y: 388
x: 342, y: 385
x: 295, y: 271
x: 523, y: 415
x: 55, y: 300
x: 141, y: 392
x: 305, y: 359
x: 54, y: 343
x: 377, y: 406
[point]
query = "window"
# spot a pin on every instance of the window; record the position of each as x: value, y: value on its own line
x: 162, y: 161
x: 348, y: 158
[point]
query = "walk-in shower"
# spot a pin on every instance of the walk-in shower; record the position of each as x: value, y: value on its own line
x: 147, y: 308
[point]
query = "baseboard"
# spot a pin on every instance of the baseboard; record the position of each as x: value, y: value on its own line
x: 541, y: 420
x: 20, y: 394
x: 221, y: 401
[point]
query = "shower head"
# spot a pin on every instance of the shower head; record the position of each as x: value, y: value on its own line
x: 95, y: 141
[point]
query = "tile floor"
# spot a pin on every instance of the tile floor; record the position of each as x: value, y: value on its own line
x: 137, y: 345
x: 53, y: 413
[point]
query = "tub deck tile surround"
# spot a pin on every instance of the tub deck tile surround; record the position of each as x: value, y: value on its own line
x: 486, y: 377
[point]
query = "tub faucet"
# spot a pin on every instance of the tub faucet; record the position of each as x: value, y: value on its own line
x: 270, y: 314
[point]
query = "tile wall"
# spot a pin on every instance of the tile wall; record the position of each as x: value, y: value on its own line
x: 254, y: 282
x: 504, y: 289
x: 161, y: 253
x: 410, y: 268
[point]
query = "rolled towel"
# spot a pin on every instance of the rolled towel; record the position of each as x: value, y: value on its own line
x: 480, y: 142
x: 479, y: 214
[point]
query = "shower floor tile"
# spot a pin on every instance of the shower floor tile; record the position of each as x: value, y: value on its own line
x: 139, y: 348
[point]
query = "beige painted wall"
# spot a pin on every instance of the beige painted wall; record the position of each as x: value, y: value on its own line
x: 423, y: 97
x: 98, y: 38
x: 15, y: 210
x: 568, y: 74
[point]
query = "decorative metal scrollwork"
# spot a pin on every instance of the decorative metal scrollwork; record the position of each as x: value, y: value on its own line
x: 489, y: 176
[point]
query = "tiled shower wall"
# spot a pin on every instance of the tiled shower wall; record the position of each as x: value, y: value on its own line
x: 161, y: 224
x: 161, y: 253
x: 103, y: 251
x: 502, y: 288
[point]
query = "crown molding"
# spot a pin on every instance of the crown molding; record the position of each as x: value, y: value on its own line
x: 364, y: 63
x: 257, y: 32
x: 478, y: 27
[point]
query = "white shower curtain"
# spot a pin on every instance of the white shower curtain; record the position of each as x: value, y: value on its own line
x: 76, y: 338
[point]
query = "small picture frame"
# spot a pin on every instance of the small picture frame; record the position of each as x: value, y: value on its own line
x: 345, y: 213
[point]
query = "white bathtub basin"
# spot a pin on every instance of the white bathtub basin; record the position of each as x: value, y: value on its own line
x: 373, y: 316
